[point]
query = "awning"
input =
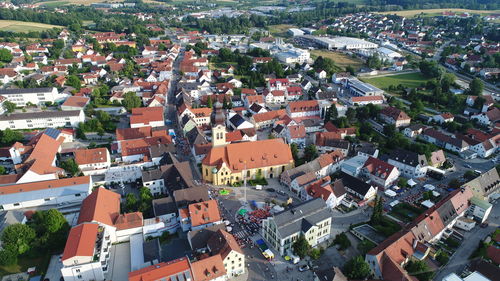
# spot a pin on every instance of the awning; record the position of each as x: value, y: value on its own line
x: 242, y: 211
x: 412, y: 183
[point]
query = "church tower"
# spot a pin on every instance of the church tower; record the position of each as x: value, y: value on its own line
x: 218, y: 120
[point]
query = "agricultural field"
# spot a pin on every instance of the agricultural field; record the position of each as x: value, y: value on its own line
x: 22, y: 26
x: 340, y: 59
x: 408, y: 80
x: 412, y: 13
x: 54, y: 4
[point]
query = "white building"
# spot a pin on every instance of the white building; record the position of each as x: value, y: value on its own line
x: 345, y: 43
x: 45, y: 193
x: 37, y: 96
x: 42, y: 119
x: 409, y: 164
x: 294, y: 56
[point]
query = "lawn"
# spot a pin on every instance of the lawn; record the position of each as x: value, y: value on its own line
x: 408, y: 80
x: 54, y: 4
x: 23, y: 26
x: 340, y: 59
x: 412, y: 13
x: 41, y: 262
x: 405, y: 212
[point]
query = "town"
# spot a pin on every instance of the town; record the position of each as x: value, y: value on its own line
x: 194, y: 140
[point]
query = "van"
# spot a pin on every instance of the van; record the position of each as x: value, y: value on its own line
x: 258, y: 187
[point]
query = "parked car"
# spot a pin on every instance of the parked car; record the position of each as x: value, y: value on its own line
x: 484, y: 224
x: 467, y: 166
x: 303, y: 268
x: 270, y: 189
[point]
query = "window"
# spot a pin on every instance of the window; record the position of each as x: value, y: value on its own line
x: 77, y: 195
x: 46, y: 199
x: 77, y: 270
x: 79, y: 276
x: 16, y: 204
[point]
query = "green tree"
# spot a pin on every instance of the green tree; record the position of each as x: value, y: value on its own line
x: 74, y: 82
x: 374, y: 61
x: 419, y: 269
x: 295, y: 152
x: 9, y: 106
x: 378, y: 210
x: 9, y: 137
x: 50, y: 221
x: 5, y: 55
x: 331, y: 113
x: 365, y: 246
x: 70, y: 167
x: 430, y: 69
x: 8, y: 256
x: 357, y: 268
x: 454, y: 183
x: 476, y: 87
x: 2, y: 170
x: 131, y: 100
x: 342, y: 240
x: 310, y: 152
x: 131, y: 202
x: 209, y: 102
x: 301, y: 247
x: 19, y: 237
x: 447, y: 81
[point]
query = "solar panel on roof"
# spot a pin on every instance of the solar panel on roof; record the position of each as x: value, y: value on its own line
x: 53, y: 133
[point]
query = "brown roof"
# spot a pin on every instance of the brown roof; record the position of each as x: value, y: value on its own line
x: 101, y: 206
x: 90, y: 156
x: 75, y: 101
x: 146, y: 114
x: 129, y: 220
x: 255, y: 154
x: 204, y: 212
x: 162, y: 270
x: 305, y: 105
x: 42, y: 158
x: 394, y: 113
x: 208, y: 268
x: 270, y: 115
x: 367, y: 98
x: 138, y: 133
x: 297, y: 132
x: 378, y: 168
x: 223, y: 243
x: 41, y: 185
x: 81, y: 241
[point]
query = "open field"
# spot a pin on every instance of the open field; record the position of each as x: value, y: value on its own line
x: 279, y: 29
x: 340, y: 59
x: 412, y: 13
x: 408, y: 80
x: 72, y: 2
x: 23, y: 26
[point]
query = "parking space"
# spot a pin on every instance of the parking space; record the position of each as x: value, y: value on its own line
x: 54, y: 269
x: 176, y: 248
x: 119, y: 262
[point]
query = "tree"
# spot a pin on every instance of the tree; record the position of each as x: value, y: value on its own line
x: 374, y: 61
x: 131, y: 100
x: 19, y: 237
x: 357, y: 268
x: 403, y: 182
x: 295, y: 151
x: 476, y: 87
x: 430, y: 69
x: 365, y: 246
x: 5, y: 55
x: 50, y: 221
x: 378, y: 210
x: 9, y: 137
x: 447, y: 81
x: 390, y: 130
x: 454, y: 183
x: 8, y: 256
x: 350, y: 69
x: 419, y: 269
x: 209, y: 102
x: 74, y: 82
x: 301, y: 247
x: 9, y: 106
x: 70, y: 167
x: 331, y: 113
x: 131, y: 202
x: 342, y: 240
x: 310, y: 153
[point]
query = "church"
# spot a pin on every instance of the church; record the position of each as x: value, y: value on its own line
x: 229, y: 163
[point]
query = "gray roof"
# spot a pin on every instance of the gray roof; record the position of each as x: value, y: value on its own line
x: 164, y: 206
x: 355, y: 184
x: 152, y: 175
x: 161, y: 149
x: 199, y: 238
x: 41, y: 114
x: 186, y: 196
x: 152, y: 250
x: 487, y: 183
x: 10, y: 217
x: 408, y: 157
x: 25, y: 91
x: 301, y: 217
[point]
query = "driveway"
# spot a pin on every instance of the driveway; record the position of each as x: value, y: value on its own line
x: 54, y: 269
x: 119, y: 262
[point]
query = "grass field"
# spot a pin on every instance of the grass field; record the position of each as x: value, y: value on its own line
x: 279, y: 29
x: 412, y: 13
x: 23, y: 26
x: 54, y: 4
x: 340, y: 59
x: 408, y: 80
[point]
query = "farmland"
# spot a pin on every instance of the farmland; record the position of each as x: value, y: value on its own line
x: 22, y: 26
x: 412, y: 13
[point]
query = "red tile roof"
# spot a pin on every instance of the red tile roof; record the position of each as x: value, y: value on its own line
x: 145, y: 115
x: 81, y: 241
x: 163, y: 270
x: 90, y: 156
x: 101, y: 206
x: 208, y: 268
x: 204, y: 213
x: 41, y: 185
x: 129, y: 220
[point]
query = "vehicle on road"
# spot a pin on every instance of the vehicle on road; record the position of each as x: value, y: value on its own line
x: 281, y: 192
x: 270, y: 189
x: 484, y: 224
x: 303, y: 268
x: 258, y: 187
x: 467, y: 166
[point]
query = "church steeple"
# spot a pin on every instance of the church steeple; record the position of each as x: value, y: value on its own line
x: 218, y: 120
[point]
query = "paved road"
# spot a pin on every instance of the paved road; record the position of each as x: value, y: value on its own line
x: 470, y: 242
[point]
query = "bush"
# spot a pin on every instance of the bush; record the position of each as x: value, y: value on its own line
x: 365, y: 246
x: 442, y: 258
x: 342, y: 241
x: 316, y: 253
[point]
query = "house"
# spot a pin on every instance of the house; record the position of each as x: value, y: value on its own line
x: 306, y: 108
x: 53, y: 193
x: 75, y: 103
x: 145, y: 116
x: 37, y: 96
x: 331, y: 193
x: 414, y: 130
x: 275, y: 97
x: 358, y: 188
x: 278, y: 84
x: 42, y: 119
x: 443, y: 118
x: 312, y: 219
x: 237, y: 122
x: 209, y: 269
x: 224, y: 244
x: 457, y: 144
x: 179, y: 269
x: 267, y: 119
x: 320, y: 74
x: 486, y: 186
x: 331, y: 141
x: 93, y: 161
x: 388, y: 259
x: 201, y: 215
x: 410, y: 164
x: 487, y: 102
x: 394, y: 116
x: 379, y: 173
x: 437, y: 158
x: 487, y: 118
x: 481, y: 143
x: 296, y: 134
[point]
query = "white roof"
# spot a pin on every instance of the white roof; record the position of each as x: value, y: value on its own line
x: 411, y: 182
x: 476, y: 276
x: 427, y: 203
x: 394, y: 203
x: 390, y: 193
